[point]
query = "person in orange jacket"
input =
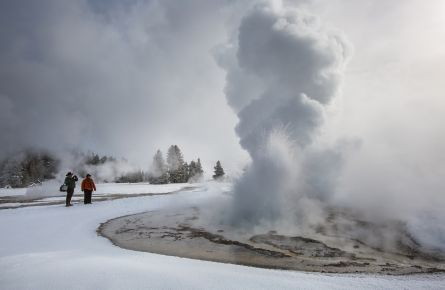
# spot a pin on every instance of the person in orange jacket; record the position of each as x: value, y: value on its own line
x: 87, y: 187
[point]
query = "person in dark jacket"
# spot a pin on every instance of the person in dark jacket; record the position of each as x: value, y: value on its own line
x: 87, y: 187
x: 70, y: 182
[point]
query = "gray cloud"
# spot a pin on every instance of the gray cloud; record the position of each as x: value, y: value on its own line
x: 119, y: 78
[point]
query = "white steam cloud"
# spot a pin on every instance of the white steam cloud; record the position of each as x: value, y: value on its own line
x: 282, y: 70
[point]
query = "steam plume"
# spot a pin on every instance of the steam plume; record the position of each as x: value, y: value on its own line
x: 282, y: 70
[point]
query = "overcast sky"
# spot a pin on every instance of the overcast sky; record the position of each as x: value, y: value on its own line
x: 128, y: 77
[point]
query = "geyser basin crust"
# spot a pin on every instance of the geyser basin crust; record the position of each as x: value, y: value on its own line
x: 182, y: 233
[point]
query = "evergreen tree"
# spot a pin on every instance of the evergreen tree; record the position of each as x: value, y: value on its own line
x: 184, y: 172
x: 199, y: 169
x: 11, y: 174
x: 158, y: 170
x: 131, y: 177
x: 27, y: 168
x: 103, y: 160
x: 219, y: 171
x: 195, y: 171
x: 175, y: 162
x: 174, y: 158
x: 94, y: 159
x: 192, y: 170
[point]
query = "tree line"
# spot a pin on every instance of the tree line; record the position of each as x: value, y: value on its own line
x: 32, y: 167
x: 174, y: 169
x: 28, y: 168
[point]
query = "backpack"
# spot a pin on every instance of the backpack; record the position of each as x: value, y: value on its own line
x: 63, y: 188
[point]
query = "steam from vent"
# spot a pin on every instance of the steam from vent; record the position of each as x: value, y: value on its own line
x: 282, y: 70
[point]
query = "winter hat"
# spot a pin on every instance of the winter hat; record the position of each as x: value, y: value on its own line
x: 69, y: 173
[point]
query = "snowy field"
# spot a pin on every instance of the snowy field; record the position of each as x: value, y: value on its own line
x: 51, y: 188
x: 53, y: 247
x: 48, y: 193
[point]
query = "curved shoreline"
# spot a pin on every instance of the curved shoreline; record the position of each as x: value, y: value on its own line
x: 181, y: 233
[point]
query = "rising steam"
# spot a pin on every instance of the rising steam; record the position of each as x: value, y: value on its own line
x: 282, y: 70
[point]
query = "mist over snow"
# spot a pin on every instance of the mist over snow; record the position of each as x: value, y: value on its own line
x: 332, y: 104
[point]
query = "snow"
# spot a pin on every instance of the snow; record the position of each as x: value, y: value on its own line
x: 51, y: 188
x: 129, y: 188
x: 20, y: 204
x: 12, y: 191
x: 54, y: 247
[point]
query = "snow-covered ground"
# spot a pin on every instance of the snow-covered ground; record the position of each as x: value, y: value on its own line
x: 54, y: 247
x: 51, y: 188
x: 49, y: 193
x: 12, y: 191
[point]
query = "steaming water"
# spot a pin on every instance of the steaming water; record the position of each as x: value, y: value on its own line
x: 283, y: 70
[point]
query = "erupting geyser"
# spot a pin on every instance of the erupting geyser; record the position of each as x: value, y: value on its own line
x: 282, y: 70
